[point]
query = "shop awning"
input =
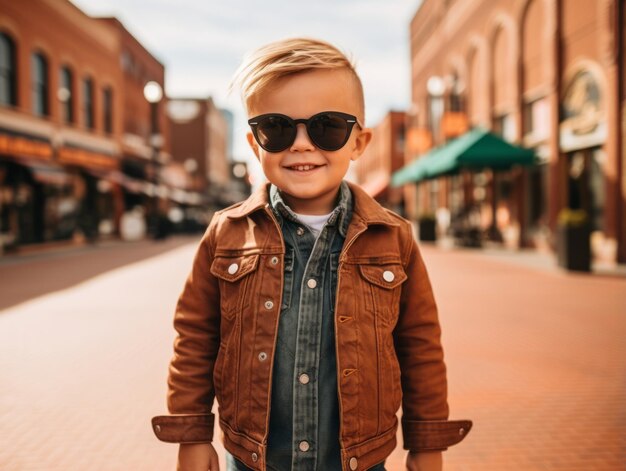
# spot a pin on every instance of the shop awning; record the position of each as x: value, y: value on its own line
x: 477, y: 149
x: 45, y: 172
x: 132, y: 185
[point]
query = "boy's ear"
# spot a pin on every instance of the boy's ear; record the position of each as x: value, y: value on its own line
x: 253, y: 144
x: 360, y: 143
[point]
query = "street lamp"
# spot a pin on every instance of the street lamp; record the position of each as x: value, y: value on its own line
x: 435, y: 87
x: 153, y: 93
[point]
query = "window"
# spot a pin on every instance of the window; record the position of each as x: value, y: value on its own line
x: 456, y: 102
x: 107, y: 100
x: 400, y: 137
x: 504, y: 126
x: 435, y: 113
x: 126, y: 61
x: 88, y: 116
x: 66, y: 94
x: 8, y: 95
x: 39, y: 84
x: 455, y: 97
x: 536, y: 119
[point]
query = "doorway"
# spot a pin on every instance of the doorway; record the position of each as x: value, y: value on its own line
x: 586, y: 184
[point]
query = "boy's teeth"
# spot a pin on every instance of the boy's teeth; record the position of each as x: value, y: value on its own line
x: 302, y: 168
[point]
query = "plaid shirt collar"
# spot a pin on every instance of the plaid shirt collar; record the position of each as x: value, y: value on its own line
x: 340, y: 215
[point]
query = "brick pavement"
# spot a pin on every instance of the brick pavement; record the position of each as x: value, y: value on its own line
x: 46, y: 270
x: 535, y: 359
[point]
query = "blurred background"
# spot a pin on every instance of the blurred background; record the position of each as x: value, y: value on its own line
x: 499, y: 131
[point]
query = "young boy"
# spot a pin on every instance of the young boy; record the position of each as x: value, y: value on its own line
x: 308, y: 312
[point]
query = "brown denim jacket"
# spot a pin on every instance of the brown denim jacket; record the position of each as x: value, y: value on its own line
x: 387, y: 333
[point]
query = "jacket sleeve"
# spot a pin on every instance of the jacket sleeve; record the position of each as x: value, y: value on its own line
x: 190, y: 381
x: 417, y: 339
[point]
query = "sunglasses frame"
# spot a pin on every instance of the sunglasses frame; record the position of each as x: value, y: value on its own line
x: 351, y: 120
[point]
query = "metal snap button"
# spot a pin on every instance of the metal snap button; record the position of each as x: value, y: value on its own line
x: 232, y: 269
x: 354, y: 463
x: 304, y: 446
x: 274, y: 260
x: 304, y: 378
x: 262, y: 356
x: 300, y: 231
x: 388, y: 276
x: 255, y: 457
x: 269, y: 304
x: 311, y: 283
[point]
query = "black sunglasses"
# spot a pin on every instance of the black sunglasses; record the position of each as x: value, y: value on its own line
x: 328, y: 130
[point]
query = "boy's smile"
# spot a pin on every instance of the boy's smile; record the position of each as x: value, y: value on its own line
x: 303, y: 168
x: 308, y: 176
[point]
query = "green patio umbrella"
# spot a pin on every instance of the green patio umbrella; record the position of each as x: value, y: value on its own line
x: 476, y: 149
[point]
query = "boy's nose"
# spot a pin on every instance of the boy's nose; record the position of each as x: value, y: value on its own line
x: 302, y: 141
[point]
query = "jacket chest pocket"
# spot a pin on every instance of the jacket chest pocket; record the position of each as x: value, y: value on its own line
x: 235, y: 276
x: 383, y: 285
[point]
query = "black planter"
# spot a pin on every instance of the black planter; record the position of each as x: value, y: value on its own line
x: 574, y: 248
x: 427, y: 230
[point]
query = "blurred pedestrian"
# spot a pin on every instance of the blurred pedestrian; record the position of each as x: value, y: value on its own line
x: 307, y: 302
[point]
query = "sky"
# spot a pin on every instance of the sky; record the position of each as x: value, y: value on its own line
x: 202, y: 42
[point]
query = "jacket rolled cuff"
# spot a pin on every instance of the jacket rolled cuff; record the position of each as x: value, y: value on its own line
x: 184, y: 428
x: 433, y: 435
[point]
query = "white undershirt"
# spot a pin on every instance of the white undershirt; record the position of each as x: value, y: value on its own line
x: 314, y: 221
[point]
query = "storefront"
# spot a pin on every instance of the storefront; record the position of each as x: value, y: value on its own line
x: 36, y: 194
x: 96, y: 188
x: 583, y: 135
x: 137, y: 175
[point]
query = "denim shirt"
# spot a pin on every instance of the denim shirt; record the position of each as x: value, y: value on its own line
x: 304, y: 414
x: 304, y: 417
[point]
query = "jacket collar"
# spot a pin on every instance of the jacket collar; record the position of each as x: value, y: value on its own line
x: 368, y: 209
x: 339, y: 217
x: 365, y: 207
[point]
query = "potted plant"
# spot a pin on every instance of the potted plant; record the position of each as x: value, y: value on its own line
x: 573, y: 245
x: 427, y: 227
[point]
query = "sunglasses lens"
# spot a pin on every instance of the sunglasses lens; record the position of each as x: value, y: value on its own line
x: 275, y: 133
x: 328, y: 131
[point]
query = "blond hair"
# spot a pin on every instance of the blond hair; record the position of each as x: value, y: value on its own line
x: 278, y: 59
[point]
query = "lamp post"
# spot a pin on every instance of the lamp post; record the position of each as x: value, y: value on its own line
x: 153, y: 93
x: 435, y: 87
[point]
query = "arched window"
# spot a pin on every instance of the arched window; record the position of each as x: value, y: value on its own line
x: 107, y: 108
x: 503, y: 70
x: 456, y: 101
x: 40, y: 84
x: 477, y: 91
x: 8, y: 83
x: 534, y: 46
x: 88, y: 115
x: 66, y: 94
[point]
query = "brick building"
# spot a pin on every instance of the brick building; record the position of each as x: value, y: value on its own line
x: 200, y: 133
x: 60, y: 122
x: 145, y: 143
x: 383, y: 156
x: 75, y: 128
x: 546, y: 74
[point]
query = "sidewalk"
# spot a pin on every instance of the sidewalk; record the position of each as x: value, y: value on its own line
x: 535, y: 358
x: 51, y: 268
x: 545, y: 261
